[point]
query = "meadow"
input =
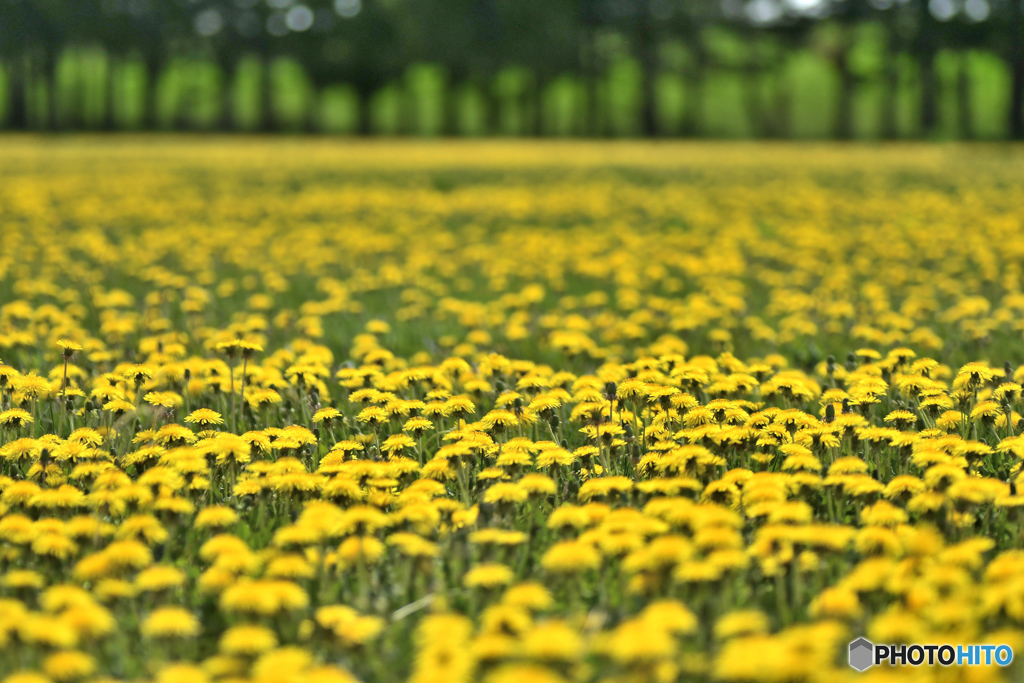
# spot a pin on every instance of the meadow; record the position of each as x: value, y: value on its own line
x: 311, y: 411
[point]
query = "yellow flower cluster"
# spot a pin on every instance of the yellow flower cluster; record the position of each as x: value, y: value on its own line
x: 280, y: 412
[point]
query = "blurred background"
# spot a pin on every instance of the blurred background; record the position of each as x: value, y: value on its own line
x: 825, y: 69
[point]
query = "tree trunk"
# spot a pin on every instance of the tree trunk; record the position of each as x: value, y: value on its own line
x: 649, y: 67
x: 963, y: 99
x: 149, y: 112
x: 1016, y: 111
x: 925, y: 47
x: 1017, y: 99
x: 844, y: 124
x: 694, y: 122
x: 889, y: 101
x: 752, y: 100
x: 929, y: 96
x: 19, y: 96
x: 890, y: 91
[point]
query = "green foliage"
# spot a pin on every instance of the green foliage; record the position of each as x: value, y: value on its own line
x: 80, y: 88
x: 338, y: 110
x: 564, y: 107
x: 868, y: 62
x: 828, y: 38
x: 129, y: 84
x: 37, y: 100
x: 747, y: 83
x: 869, y: 50
x: 66, y: 86
x: 908, y: 97
x: 169, y: 96
x: 470, y: 109
x: 189, y: 95
x: 726, y: 48
x: 947, y: 73
x: 813, y: 95
x: 95, y: 76
x: 868, y: 101
x: 723, y: 111
x: 768, y: 116
x: 514, y: 91
x: 674, y: 56
x: 625, y: 97
x: 204, y: 104
x: 247, y: 87
x: 425, y: 91
x: 386, y: 110
x: 990, y: 82
x: 670, y: 103
x: 291, y: 94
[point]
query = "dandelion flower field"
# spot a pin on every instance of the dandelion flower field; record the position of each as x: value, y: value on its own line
x: 299, y: 411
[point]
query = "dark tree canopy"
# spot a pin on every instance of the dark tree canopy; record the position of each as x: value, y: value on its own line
x: 616, y: 50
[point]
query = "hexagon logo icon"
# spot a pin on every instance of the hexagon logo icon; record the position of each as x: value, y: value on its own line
x: 862, y: 654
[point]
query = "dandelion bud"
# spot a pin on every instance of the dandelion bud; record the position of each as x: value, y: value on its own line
x: 846, y: 406
x: 188, y: 374
x: 830, y: 413
x: 831, y: 365
x: 554, y: 422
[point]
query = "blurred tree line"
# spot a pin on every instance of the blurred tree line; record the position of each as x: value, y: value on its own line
x: 845, y: 69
